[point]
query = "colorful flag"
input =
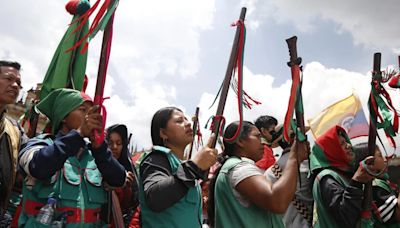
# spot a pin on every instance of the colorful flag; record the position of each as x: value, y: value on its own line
x: 67, y: 68
x: 347, y: 113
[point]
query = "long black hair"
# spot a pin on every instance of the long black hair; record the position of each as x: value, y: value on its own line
x: 228, y: 152
x: 122, y: 130
x: 159, y: 121
x: 126, y: 161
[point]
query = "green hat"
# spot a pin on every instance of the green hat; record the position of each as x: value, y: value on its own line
x: 59, y: 103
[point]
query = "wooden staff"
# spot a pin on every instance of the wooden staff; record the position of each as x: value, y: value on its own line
x: 294, y: 64
x: 195, y: 123
x: 376, y: 75
x: 227, y: 80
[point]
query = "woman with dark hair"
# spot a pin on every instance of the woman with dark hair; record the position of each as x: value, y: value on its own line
x: 169, y: 192
x: 117, y: 138
x: 240, y: 195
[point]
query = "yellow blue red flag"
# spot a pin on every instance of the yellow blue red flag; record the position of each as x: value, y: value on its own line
x: 347, y: 113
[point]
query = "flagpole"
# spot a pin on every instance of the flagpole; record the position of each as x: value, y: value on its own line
x: 376, y: 75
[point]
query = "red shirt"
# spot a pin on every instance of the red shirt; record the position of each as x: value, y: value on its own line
x: 268, y: 158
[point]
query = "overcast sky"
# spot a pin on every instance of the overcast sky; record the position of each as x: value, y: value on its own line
x: 175, y: 52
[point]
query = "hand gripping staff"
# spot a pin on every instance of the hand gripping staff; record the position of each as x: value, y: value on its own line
x: 99, y: 92
x: 366, y: 205
x: 103, y: 21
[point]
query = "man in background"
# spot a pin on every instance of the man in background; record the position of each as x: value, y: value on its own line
x: 11, y: 135
x: 266, y: 125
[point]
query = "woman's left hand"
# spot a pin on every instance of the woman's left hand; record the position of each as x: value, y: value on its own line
x: 130, y: 178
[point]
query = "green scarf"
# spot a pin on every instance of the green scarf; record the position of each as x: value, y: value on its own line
x: 59, y: 103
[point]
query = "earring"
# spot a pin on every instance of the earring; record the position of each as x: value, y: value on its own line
x: 165, y: 140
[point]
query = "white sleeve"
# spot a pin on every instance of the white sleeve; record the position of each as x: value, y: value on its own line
x: 242, y: 171
x: 25, y: 159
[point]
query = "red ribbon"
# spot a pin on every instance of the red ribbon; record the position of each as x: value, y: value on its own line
x: 380, y: 90
x: 99, y: 137
x: 93, y: 26
x: 221, y: 120
x: 238, y: 64
x: 292, y: 101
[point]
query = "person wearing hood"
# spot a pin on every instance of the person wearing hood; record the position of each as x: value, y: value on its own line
x: 337, y: 186
x: 117, y: 138
x: 65, y: 169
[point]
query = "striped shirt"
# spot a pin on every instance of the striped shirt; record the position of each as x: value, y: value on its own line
x: 385, y: 205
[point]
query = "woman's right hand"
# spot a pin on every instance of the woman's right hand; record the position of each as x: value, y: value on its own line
x: 207, y: 156
x: 300, y: 150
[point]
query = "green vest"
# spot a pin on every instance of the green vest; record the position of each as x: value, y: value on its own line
x: 324, y: 220
x: 378, y: 222
x: 185, y: 213
x: 77, y: 187
x: 230, y: 213
x: 322, y: 217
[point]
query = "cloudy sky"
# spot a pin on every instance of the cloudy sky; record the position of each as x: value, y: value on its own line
x: 175, y: 52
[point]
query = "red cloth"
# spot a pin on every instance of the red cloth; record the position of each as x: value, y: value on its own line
x: 135, y: 222
x: 14, y: 223
x: 329, y: 142
x: 268, y: 158
x: 125, y: 197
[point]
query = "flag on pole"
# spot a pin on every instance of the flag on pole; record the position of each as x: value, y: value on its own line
x: 347, y: 113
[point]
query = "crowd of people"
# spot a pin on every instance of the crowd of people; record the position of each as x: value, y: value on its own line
x: 67, y: 177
